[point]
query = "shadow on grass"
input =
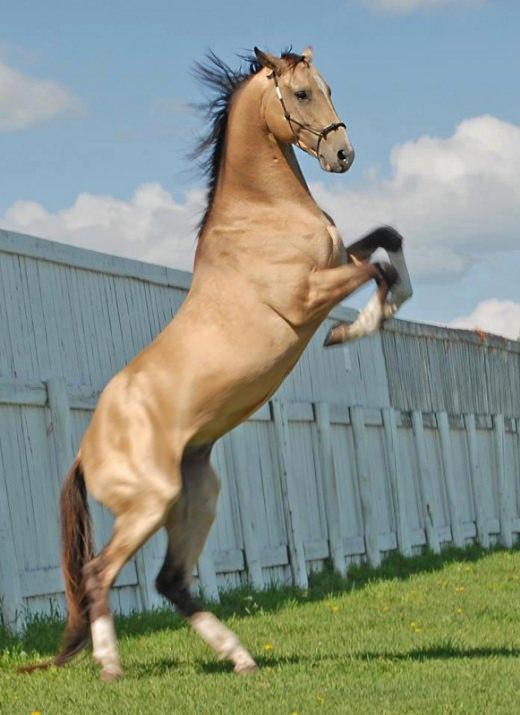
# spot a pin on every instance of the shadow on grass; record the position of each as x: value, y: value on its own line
x: 222, y: 666
x: 440, y: 652
x: 43, y: 635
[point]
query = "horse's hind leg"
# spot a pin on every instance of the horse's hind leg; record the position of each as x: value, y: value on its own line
x: 188, y: 525
x: 132, y: 528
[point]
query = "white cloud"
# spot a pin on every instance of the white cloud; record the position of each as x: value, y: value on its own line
x: 405, y: 6
x: 455, y: 199
x: 25, y: 101
x: 151, y: 226
x: 501, y: 317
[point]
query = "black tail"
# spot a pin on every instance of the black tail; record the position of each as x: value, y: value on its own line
x: 76, y: 550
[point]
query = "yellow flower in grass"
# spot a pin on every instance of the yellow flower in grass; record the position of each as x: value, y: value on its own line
x: 459, y: 589
x: 268, y: 646
x: 460, y: 611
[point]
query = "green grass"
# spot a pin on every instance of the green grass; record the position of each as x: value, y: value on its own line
x: 434, y: 634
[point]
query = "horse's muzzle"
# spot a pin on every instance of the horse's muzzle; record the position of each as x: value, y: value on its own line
x: 337, y: 163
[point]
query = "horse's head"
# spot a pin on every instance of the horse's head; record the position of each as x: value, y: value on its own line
x: 298, y: 109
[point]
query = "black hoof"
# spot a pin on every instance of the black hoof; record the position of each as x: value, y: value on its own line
x: 328, y: 339
x: 334, y: 337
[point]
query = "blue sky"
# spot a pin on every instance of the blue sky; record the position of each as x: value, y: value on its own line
x: 114, y: 125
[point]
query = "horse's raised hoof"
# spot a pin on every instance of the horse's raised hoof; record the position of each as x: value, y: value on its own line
x: 108, y: 675
x: 337, y: 334
x: 246, y: 668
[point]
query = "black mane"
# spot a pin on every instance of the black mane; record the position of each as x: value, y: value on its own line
x: 223, y: 82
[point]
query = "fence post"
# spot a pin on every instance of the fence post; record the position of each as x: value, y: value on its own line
x: 366, y: 488
x: 476, y: 481
x: 404, y: 543
x: 443, y: 426
x: 504, y: 495
x: 332, y: 501
x: 253, y: 561
x: 429, y: 515
x: 289, y: 497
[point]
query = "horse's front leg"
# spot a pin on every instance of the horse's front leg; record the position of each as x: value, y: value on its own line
x: 379, y: 307
x: 391, y: 241
x: 329, y: 286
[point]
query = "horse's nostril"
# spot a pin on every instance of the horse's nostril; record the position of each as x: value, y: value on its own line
x: 341, y: 155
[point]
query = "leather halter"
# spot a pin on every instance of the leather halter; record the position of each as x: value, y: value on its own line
x: 320, y: 133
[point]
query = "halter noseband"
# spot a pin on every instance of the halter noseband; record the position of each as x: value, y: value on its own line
x: 320, y: 133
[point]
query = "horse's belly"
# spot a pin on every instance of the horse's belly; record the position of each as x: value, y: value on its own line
x: 241, y: 402
x: 234, y: 375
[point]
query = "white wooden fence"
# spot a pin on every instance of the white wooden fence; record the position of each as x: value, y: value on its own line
x: 347, y: 462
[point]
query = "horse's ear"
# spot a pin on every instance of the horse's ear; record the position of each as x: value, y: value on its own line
x: 307, y: 54
x: 273, y: 62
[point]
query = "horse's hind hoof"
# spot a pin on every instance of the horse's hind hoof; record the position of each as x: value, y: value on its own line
x: 246, y: 668
x: 110, y: 674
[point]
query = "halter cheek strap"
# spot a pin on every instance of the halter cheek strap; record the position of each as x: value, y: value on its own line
x: 320, y: 133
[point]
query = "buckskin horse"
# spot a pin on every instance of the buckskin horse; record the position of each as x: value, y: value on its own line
x: 269, y: 267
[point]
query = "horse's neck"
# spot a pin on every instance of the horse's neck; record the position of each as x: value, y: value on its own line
x: 257, y: 172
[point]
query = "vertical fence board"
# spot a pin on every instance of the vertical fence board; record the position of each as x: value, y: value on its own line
x: 396, y: 482
x: 476, y: 481
x: 58, y: 398
x: 451, y: 487
x: 289, y: 496
x: 207, y: 575
x: 368, y: 504
x: 12, y: 610
x: 245, y: 498
x: 146, y: 572
x: 503, y: 485
x: 425, y: 480
x: 332, y: 502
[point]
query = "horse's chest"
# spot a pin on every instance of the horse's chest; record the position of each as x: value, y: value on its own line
x: 330, y: 250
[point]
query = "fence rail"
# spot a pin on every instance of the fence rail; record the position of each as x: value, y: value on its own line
x: 404, y: 440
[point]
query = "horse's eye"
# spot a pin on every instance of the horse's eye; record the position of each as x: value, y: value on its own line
x: 301, y: 95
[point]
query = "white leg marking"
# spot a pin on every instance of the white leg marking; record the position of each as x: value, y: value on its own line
x: 104, y: 645
x: 223, y: 641
x: 374, y: 313
x: 369, y: 319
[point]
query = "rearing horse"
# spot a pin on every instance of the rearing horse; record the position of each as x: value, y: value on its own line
x: 269, y: 267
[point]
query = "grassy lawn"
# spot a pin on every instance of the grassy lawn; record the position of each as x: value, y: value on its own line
x: 434, y: 634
